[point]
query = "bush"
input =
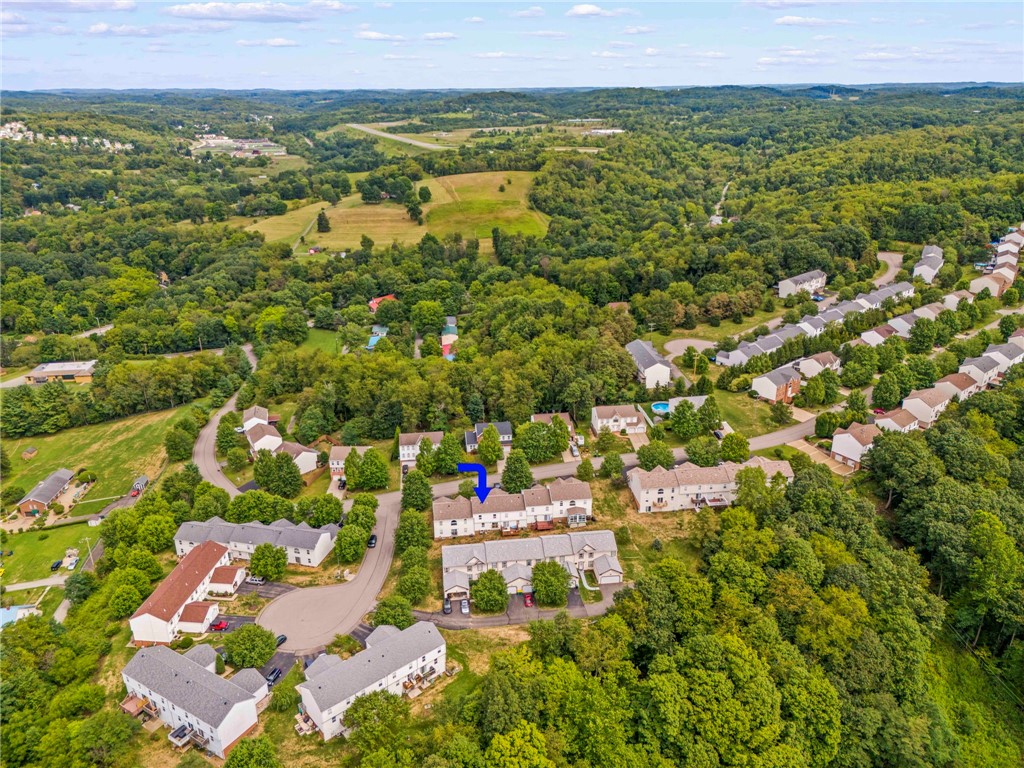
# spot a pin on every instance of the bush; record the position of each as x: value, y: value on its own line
x: 44, y: 536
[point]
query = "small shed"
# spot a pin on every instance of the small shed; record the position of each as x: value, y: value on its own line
x: 29, y: 453
x: 140, y: 483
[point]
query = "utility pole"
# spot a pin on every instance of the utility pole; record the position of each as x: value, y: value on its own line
x: 88, y: 546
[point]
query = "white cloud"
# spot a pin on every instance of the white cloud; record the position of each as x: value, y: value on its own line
x: 401, y: 57
x: 474, y: 20
x: 497, y: 55
x: 262, y: 11
x: 367, y: 34
x: 823, y: 38
x: 532, y: 12
x: 808, y: 21
x: 550, y: 34
x: 102, y: 29
x: 587, y: 9
x: 440, y: 36
x: 7, y: 17
x: 795, y: 56
x: 273, y: 42
x: 653, y: 52
x: 878, y: 56
x: 706, y: 55
x: 607, y: 55
x: 621, y: 44
x: 638, y: 30
x: 78, y: 6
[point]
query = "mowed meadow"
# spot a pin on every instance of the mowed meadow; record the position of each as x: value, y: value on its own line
x: 471, y: 204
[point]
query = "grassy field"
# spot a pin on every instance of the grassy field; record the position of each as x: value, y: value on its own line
x: 709, y: 333
x: 745, y: 415
x: 468, y: 203
x: 287, y: 227
x: 35, y: 551
x: 117, y: 451
x: 320, y: 339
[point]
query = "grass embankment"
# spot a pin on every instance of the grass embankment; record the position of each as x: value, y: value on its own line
x: 707, y: 332
x: 116, y: 451
x: 35, y: 551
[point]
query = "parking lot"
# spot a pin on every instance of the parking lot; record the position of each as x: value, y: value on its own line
x: 234, y: 622
x: 270, y: 590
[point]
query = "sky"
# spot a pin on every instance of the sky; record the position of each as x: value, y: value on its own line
x: 317, y: 44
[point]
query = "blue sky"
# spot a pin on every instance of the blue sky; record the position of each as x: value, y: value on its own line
x: 343, y: 44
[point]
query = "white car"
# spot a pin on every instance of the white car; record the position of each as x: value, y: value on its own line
x: 239, y: 430
x: 73, y: 564
x: 257, y: 580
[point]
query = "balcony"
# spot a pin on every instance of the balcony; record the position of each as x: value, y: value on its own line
x: 136, y: 705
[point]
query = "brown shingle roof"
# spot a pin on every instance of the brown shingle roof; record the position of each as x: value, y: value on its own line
x: 225, y: 574
x: 196, y: 611
x: 961, y: 381
x: 900, y: 417
x: 622, y: 411
x: 457, y: 508
x: 415, y: 438
x: 294, y: 449
x: 341, y: 452
x: 260, y: 431
x: 499, y: 501
x: 825, y: 358
x: 864, y: 434
x: 569, y: 489
x: 930, y: 397
x: 175, y: 590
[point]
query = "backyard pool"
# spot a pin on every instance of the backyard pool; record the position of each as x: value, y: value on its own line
x: 660, y: 408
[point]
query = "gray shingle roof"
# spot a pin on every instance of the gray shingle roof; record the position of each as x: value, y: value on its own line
x: 46, y: 490
x: 983, y: 364
x: 781, y: 376
x: 339, y: 682
x: 806, y: 277
x: 186, y: 684
x: 249, y: 680
x: 535, y: 548
x: 644, y: 354
x: 204, y: 655
x: 280, y: 533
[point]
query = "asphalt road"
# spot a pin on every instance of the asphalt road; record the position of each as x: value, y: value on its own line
x: 393, y: 137
x: 204, y: 453
x: 893, y: 262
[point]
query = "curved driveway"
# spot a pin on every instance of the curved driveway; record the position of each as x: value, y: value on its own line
x: 204, y: 452
x: 893, y: 263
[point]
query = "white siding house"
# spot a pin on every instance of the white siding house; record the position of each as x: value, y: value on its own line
x: 691, y: 487
x: 409, y: 444
x: 652, y: 370
x: 617, y: 418
x: 849, y: 445
x: 303, y: 545
x: 808, y: 281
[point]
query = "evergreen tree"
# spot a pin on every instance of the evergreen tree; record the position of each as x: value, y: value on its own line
x: 517, y: 475
x: 353, y: 463
x: 489, y: 449
x: 684, y: 421
x: 323, y: 224
x: 585, y: 471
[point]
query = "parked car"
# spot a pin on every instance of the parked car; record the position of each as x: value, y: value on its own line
x: 372, y: 541
x: 73, y: 564
x: 464, y: 607
x: 219, y: 626
x: 719, y: 434
x: 528, y: 600
x: 239, y: 430
x: 135, y: 492
x: 281, y: 640
x: 273, y: 676
x: 405, y: 469
x: 817, y: 297
x: 56, y: 565
x: 341, y: 483
x: 574, y: 450
x: 257, y: 580
x: 879, y: 411
x: 447, y: 607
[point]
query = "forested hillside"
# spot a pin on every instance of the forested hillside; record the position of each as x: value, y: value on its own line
x: 855, y: 624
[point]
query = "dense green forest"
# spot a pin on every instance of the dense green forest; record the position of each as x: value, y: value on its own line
x: 817, y: 624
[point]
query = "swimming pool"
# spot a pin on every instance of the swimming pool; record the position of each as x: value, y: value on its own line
x: 660, y: 408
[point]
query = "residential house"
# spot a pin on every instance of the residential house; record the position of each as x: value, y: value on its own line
x: 1006, y: 260
x: 337, y: 456
x: 504, y: 434
x: 653, y: 370
x: 1007, y: 247
x: 815, y: 364
x: 253, y: 416
x: 695, y: 400
x: 409, y: 444
x: 897, y: 420
x: 566, y: 501
x: 304, y: 545
x: 263, y: 437
x: 375, y: 303
x: 545, y: 418
x: 929, y: 311
x: 958, y: 385
x: 780, y: 385
x: 618, y: 418
x: 1008, y: 271
x: 812, y: 325
x: 926, y: 405
x: 1017, y: 337
x: 849, y: 445
x: 1014, y: 237
x: 514, y: 559
x: 1006, y: 355
x: 69, y: 373
x: 158, y: 619
x: 929, y: 264
x: 877, y: 336
x: 952, y: 300
x: 832, y: 315
x: 396, y: 661
x: 226, y: 579
x: 902, y: 290
x: 201, y: 707
x: 691, y: 487
x: 305, y: 458
x: 982, y: 369
x: 739, y: 356
x: 812, y: 282
x: 45, y: 492
x: 903, y: 324
x: 996, y: 284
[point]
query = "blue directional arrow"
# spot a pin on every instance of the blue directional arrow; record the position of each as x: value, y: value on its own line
x: 481, y: 489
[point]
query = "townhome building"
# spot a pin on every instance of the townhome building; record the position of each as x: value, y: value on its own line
x: 851, y: 444
x: 304, y: 545
x: 577, y: 552
x: 780, y: 385
x: 903, y: 324
x: 183, y: 691
x: 811, y: 325
x: 179, y: 603
x: 409, y: 444
x: 897, y: 420
x: 952, y: 300
x: 1006, y: 355
x: 929, y: 264
x: 876, y: 336
x: 618, y: 418
x: 263, y: 437
x: 983, y: 369
x: 566, y: 501
x: 1017, y: 337
x: 396, y: 661
x: 927, y: 405
x: 691, y: 487
x: 257, y: 414
x: 652, y: 369
x: 996, y: 284
x: 815, y: 364
x: 959, y: 385
x: 929, y: 311
x: 812, y: 282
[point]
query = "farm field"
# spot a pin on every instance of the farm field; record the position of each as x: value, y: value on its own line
x: 117, y: 451
x: 469, y: 203
x: 287, y: 227
x: 35, y: 551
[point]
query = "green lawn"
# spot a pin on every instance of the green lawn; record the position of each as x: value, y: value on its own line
x: 745, y: 415
x: 779, y: 452
x: 710, y: 333
x: 323, y: 340
x: 54, y: 596
x: 117, y: 451
x: 35, y: 551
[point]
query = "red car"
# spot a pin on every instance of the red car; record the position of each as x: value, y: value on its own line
x: 219, y: 626
x: 135, y: 492
x: 879, y: 411
x: 528, y: 600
